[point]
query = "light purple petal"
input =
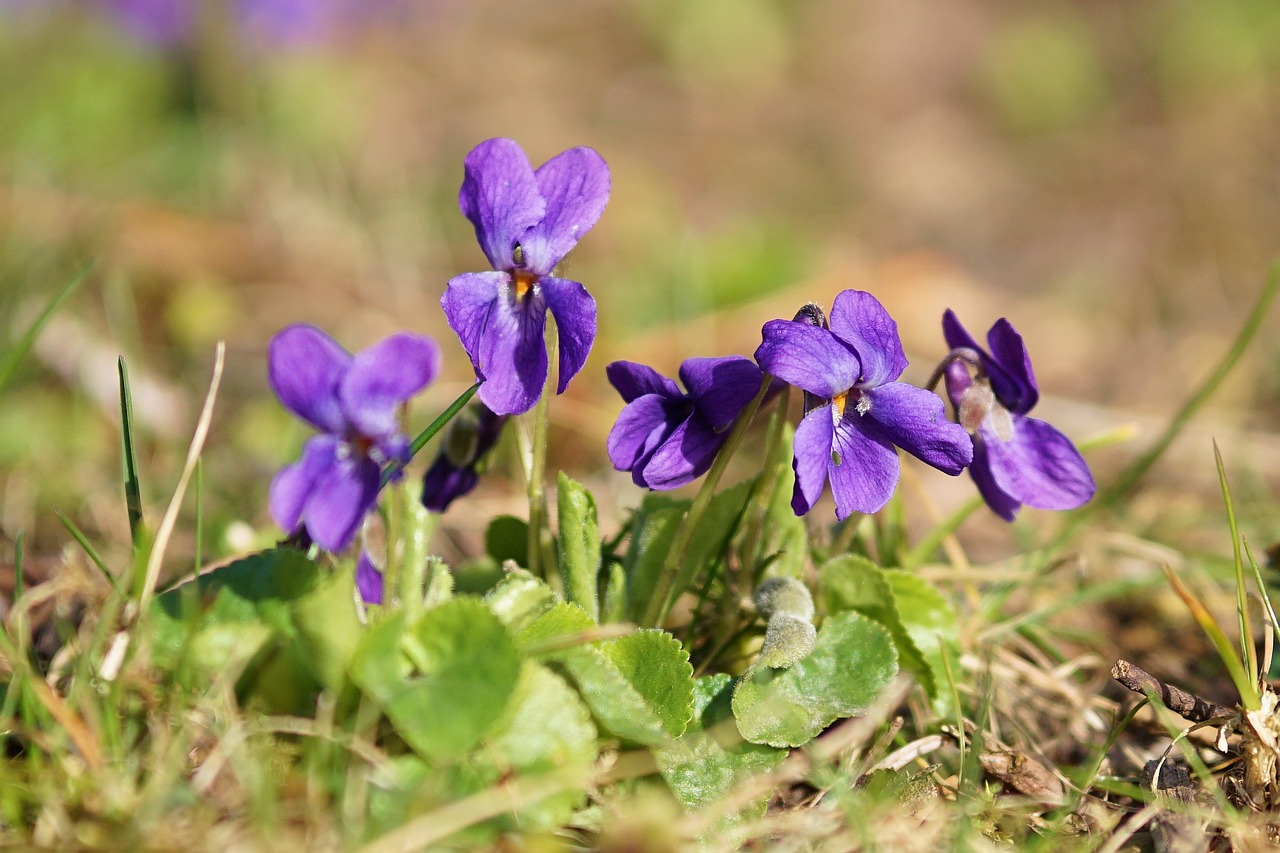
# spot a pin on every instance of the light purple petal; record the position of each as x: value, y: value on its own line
x: 340, y: 500
x: 501, y: 198
x: 860, y: 320
x: 469, y: 302
x: 807, y: 357
x: 868, y: 468
x: 1016, y: 388
x: 513, y: 353
x: 575, y: 184
x: 1039, y: 466
x: 721, y: 387
x: 368, y: 579
x: 305, y: 367
x: 811, y: 451
x: 642, y: 426
x: 633, y: 380
x: 916, y: 420
x: 684, y: 456
x: 382, y: 377
x: 575, y: 313
x: 295, y: 483
x: 958, y: 380
x: 1001, y: 503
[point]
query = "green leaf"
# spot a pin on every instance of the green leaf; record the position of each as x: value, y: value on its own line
x: 443, y: 682
x: 328, y: 628
x: 657, y: 666
x: 851, y: 582
x: 615, y: 594
x: 786, y: 538
x: 519, y: 598
x: 639, y: 688
x: 852, y: 661
x: 931, y: 623
x: 507, y: 538
x: 711, y: 759
x: 579, y: 543
x: 560, y: 619
x: 715, y: 530
x: 652, y: 532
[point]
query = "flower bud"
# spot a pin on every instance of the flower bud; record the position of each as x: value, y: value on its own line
x: 787, y: 641
x: 784, y: 596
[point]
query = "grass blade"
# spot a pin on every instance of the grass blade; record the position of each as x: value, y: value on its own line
x: 1248, y: 651
x: 132, y: 488
x: 1246, y: 687
x: 83, y: 541
x: 18, y: 583
x: 9, y: 363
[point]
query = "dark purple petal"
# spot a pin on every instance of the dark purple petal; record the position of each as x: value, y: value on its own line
x: 1039, y: 466
x: 382, y: 377
x: 684, y: 456
x: 575, y: 184
x: 807, y: 357
x: 1015, y: 386
x: 868, y: 468
x: 721, y: 387
x: 633, y: 380
x: 295, y: 483
x: 469, y: 302
x: 368, y: 579
x: 501, y: 198
x: 575, y: 313
x: 341, y: 498
x: 916, y: 420
x: 513, y: 353
x: 811, y: 451
x: 956, y: 335
x: 642, y: 426
x: 305, y: 367
x: 1008, y: 389
x: 860, y: 320
x: 445, y: 482
x: 1001, y: 503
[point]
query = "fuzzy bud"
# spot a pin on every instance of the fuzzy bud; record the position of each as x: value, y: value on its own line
x: 784, y: 596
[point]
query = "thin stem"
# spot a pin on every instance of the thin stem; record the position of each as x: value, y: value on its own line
x: 656, y: 610
x: 444, y: 418
x: 844, y: 539
x: 966, y: 354
x: 538, y: 457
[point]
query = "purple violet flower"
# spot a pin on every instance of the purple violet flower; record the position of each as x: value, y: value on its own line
x: 525, y: 221
x: 861, y: 413
x: 455, y: 471
x: 368, y: 579
x: 666, y: 437
x: 352, y: 400
x: 1016, y: 459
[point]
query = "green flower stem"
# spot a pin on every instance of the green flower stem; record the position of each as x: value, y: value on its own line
x: 538, y: 454
x: 844, y: 539
x: 395, y: 552
x: 658, y: 605
x: 762, y: 491
x: 439, y: 423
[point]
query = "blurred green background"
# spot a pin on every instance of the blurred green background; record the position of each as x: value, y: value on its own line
x: 1106, y: 175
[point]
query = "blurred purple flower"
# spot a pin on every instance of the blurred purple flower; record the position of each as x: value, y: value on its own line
x: 666, y: 437
x: 860, y: 413
x: 1016, y: 459
x: 525, y: 221
x: 352, y: 400
x: 455, y: 471
x: 368, y: 579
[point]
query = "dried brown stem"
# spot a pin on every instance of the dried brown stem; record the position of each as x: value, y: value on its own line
x: 1189, y: 706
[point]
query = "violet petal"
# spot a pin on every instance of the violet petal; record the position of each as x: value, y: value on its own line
x: 868, y: 469
x: 341, y: 498
x: 916, y: 420
x: 1000, y: 502
x: 575, y: 313
x: 295, y: 483
x: 575, y: 184
x: 721, y: 387
x: 513, y: 354
x: 811, y: 450
x: 633, y: 380
x: 1016, y: 388
x: 469, y: 303
x: 807, y: 357
x: 642, y: 426
x: 501, y: 198
x: 860, y: 320
x: 305, y: 367
x: 1039, y: 466
x: 382, y: 377
x: 368, y: 579
x: 445, y: 482
x: 684, y: 456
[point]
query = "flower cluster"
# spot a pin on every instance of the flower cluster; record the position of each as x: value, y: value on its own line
x: 857, y: 412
